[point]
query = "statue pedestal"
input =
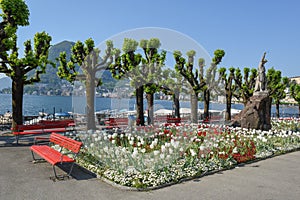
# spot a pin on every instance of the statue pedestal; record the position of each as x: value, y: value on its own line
x: 256, y: 114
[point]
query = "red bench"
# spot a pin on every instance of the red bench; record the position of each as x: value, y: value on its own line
x: 172, y: 121
x: 116, y: 123
x: 55, y: 157
x: 44, y: 126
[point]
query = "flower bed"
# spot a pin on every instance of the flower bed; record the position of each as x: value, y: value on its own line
x: 158, y: 156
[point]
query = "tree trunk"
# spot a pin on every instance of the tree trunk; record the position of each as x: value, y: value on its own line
x: 206, y: 103
x: 176, y: 103
x: 90, y: 101
x: 17, y: 101
x: 150, y: 101
x: 277, y: 109
x: 228, y: 106
x: 299, y: 110
x: 140, y: 106
x: 194, y: 107
x: 245, y: 101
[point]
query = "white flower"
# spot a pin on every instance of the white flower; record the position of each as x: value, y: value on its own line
x: 193, y: 153
x: 113, y: 141
x: 162, y: 156
x: 105, y: 149
x: 264, y: 139
x: 202, y: 148
x: 156, y: 152
x: 114, y: 135
x: 143, y: 150
x: 134, y: 154
x: 235, y: 150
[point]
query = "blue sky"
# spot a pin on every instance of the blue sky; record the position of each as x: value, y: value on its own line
x: 243, y: 28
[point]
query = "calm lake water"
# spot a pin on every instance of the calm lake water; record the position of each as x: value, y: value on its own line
x: 33, y: 104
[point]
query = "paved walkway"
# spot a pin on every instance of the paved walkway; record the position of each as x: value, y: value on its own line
x: 275, y: 178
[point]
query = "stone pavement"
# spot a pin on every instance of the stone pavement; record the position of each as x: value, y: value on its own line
x: 274, y: 178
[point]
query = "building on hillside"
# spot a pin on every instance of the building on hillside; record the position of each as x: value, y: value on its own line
x: 295, y: 78
x: 289, y: 99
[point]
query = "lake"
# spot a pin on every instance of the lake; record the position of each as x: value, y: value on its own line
x: 32, y: 104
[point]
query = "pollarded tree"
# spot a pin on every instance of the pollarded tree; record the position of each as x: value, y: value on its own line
x: 185, y: 68
x: 145, y: 72
x: 276, y: 85
x: 151, y: 70
x: 295, y: 93
x: 173, y: 84
x: 16, y: 13
x: 126, y: 66
x: 87, y: 57
x: 211, y: 83
x: 230, y: 88
x: 245, y: 84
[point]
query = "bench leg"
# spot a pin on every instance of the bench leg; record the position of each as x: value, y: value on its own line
x: 35, y: 160
x: 17, y: 139
x: 71, y: 169
x: 61, y: 176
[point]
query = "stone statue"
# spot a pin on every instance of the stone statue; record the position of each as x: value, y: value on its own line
x: 257, y: 112
x: 261, y: 80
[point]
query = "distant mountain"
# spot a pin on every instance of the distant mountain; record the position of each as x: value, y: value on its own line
x: 5, y: 82
x: 50, y: 77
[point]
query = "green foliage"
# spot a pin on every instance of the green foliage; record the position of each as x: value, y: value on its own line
x: 295, y: 91
x: 218, y: 55
x: 87, y: 57
x: 191, y: 53
x: 152, y: 64
x: 15, y: 12
x: 127, y: 62
x: 186, y: 69
x: 276, y: 84
x: 129, y: 45
x: 142, y: 71
x: 35, y: 59
x: 245, y: 83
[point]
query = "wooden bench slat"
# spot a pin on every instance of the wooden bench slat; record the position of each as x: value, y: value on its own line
x: 65, y: 142
x: 50, y: 154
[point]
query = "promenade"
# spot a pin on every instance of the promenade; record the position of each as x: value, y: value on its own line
x: 274, y: 178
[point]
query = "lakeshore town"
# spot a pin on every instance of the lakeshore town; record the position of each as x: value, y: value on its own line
x: 127, y: 92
